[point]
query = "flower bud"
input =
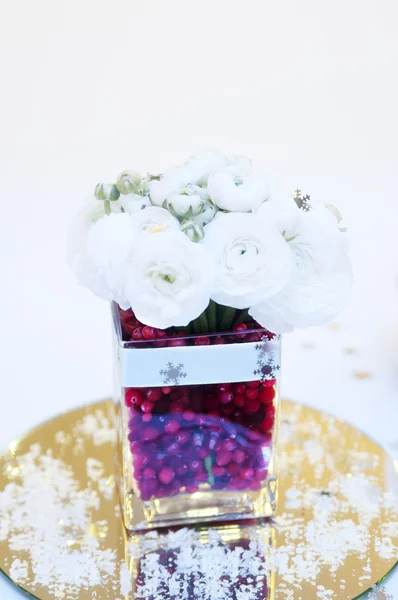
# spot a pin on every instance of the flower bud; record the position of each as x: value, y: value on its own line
x: 208, y: 213
x: 183, y: 205
x: 193, y: 230
x: 128, y: 182
x: 106, y: 191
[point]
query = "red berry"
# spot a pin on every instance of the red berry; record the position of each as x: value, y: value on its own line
x: 269, y: 382
x: 147, y: 417
x: 266, y: 395
x: 137, y: 334
x: 202, y: 340
x: 253, y: 384
x: 133, y: 397
x: 153, y: 394
x: 149, y: 433
x: 181, y: 469
x: 255, y: 486
x: 191, y: 489
x: 225, y: 397
x: 166, y: 390
x: 177, y: 342
x: 176, y: 408
x: 140, y: 461
x: 166, y: 475
x: 201, y: 477
x: 239, y: 456
x: 218, y: 471
x: 251, y: 393
x: 261, y: 474
x: 270, y: 410
x: 223, y: 457
x: 148, y: 473
x: 254, y: 337
x: 188, y: 415
x: 239, y: 400
x: 254, y: 436
x: 182, y: 437
x: 247, y: 473
x: 251, y: 407
x: 267, y: 424
x: 225, y: 387
x: 218, y: 340
x: 203, y: 453
x: 147, y: 406
x: 239, y: 388
x: 233, y: 468
x: 148, y: 333
x: 229, y: 445
x: 126, y: 314
x: 195, y: 466
x: 240, y: 329
x: 172, y: 426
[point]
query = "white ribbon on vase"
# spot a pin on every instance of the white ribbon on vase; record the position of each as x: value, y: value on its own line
x: 193, y: 365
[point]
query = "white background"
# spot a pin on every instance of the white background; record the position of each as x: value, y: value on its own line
x: 307, y: 89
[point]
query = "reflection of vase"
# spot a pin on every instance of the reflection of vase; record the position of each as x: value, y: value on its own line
x: 198, y: 426
x: 225, y: 561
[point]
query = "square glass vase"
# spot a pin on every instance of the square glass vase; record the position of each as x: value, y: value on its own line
x: 197, y: 426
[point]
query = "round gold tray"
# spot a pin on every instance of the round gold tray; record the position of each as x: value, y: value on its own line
x: 62, y: 537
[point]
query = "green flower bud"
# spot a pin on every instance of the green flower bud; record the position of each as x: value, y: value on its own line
x: 208, y: 213
x: 106, y: 191
x: 193, y: 230
x: 128, y: 182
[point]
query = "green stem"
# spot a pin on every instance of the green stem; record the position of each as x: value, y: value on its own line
x: 107, y: 207
x: 227, y: 318
x: 203, y: 324
x: 212, y: 316
x: 244, y: 314
x: 208, y: 465
x: 196, y: 326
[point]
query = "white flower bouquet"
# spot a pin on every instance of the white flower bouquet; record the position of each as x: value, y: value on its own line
x: 205, y: 269
x: 167, y: 246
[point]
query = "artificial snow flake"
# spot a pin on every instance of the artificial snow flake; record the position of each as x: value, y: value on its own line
x: 173, y: 373
x: 267, y: 366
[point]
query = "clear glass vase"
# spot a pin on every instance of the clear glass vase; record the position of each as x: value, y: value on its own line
x: 198, y: 426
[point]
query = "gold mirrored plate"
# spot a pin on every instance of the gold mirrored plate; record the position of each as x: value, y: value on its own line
x: 62, y: 538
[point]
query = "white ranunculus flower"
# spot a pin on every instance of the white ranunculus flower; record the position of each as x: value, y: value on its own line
x: 203, y: 164
x: 172, y: 182
x: 253, y: 260
x: 321, y: 280
x: 104, y: 256
x: 235, y: 188
x: 133, y: 202
x: 154, y: 219
x: 183, y: 204
x: 170, y: 280
x: 283, y: 212
x: 92, y: 211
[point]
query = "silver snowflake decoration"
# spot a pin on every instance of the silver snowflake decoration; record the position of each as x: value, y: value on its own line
x: 266, y: 366
x: 173, y: 373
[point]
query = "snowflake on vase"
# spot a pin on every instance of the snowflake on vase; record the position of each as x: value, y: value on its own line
x: 173, y: 373
x: 267, y: 367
